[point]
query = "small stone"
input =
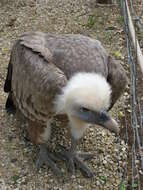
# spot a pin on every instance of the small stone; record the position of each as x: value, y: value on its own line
x: 121, y: 114
x: 14, y: 160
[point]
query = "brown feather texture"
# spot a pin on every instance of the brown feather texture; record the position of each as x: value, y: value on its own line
x: 42, y: 64
x: 68, y: 74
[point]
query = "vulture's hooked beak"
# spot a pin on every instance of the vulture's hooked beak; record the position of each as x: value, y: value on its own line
x: 100, y: 118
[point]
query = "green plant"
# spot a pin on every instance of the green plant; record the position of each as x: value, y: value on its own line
x: 123, y: 186
x: 103, y: 179
x: 91, y: 21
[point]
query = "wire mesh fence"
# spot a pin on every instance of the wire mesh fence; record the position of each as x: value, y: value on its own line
x: 133, y: 173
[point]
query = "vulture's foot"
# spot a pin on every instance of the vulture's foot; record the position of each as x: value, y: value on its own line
x: 47, y: 158
x: 77, y: 159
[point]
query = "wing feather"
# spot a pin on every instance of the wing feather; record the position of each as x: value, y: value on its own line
x: 35, y: 83
x: 79, y: 53
x: 70, y: 52
x: 117, y: 78
x: 36, y: 41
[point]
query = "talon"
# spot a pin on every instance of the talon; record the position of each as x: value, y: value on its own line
x: 46, y: 157
x: 86, y: 156
x: 74, y: 159
x: 83, y: 168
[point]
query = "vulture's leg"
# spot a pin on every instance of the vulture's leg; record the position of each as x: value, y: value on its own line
x: 73, y: 158
x: 48, y: 158
x: 40, y: 134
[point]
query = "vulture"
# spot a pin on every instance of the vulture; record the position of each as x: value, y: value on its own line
x: 69, y: 74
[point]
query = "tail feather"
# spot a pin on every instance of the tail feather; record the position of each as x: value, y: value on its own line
x: 7, y: 85
x: 9, y: 106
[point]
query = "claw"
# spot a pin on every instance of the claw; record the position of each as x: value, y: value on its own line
x: 86, y: 156
x: 70, y: 165
x: 46, y: 157
x: 83, y: 168
x: 73, y: 158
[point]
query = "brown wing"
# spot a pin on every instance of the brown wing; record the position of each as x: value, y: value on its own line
x: 75, y: 53
x: 70, y: 52
x: 36, y: 41
x: 117, y: 78
x: 35, y: 83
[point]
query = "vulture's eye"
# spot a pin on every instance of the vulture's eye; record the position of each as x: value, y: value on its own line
x: 83, y: 109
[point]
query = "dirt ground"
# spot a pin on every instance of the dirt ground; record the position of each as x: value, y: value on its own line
x: 17, y: 154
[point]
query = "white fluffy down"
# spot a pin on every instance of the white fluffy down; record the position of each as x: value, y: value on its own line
x: 89, y: 90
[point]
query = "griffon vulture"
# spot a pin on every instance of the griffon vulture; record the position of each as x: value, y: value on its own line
x: 69, y: 74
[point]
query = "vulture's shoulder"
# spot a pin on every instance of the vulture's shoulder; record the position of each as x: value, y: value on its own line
x: 64, y: 44
x: 36, y: 41
x: 41, y: 72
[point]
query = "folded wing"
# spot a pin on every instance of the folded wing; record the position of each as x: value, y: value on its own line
x: 35, y: 82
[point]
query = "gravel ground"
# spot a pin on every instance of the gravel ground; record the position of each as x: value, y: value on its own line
x: 17, y: 154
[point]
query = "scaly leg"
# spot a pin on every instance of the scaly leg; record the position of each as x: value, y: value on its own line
x: 39, y: 134
x: 48, y: 158
x: 73, y: 158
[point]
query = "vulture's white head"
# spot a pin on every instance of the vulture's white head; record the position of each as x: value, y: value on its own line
x: 87, y: 97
